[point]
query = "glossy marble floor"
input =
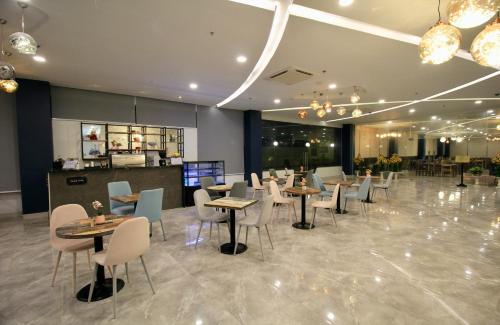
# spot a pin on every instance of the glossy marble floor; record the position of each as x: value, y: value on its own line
x: 430, y: 255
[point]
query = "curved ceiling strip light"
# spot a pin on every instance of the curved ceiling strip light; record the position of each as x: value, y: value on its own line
x: 465, y: 85
x: 281, y: 14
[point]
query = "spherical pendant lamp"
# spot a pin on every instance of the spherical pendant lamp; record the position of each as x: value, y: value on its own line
x: 314, y: 104
x: 440, y: 43
x: 341, y: 110
x: 357, y: 112
x: 471, y: 13
x: 302, y: 115
x: 485, y: 48
x: 9, y: 86
x: 321, y: 112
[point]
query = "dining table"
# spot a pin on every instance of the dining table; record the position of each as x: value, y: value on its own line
x: 303, y: 192
x: 279, y: 181
x: 232, y: 204
x: 222, y: 188
x: 343, y: 184
x: 127, y: 198
x: 86, y: 228
x: 368, y: 198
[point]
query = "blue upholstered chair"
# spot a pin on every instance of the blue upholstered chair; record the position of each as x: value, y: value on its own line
x: 361, y: 195
x: 149, y: 206
x: 120, y: 188
x: 318, y: 183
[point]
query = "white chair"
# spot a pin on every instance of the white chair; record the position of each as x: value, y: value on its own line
x: 279, y: 200
x: 289, y: 184
x: 129, y: 241
x: 384, y: 186
x: 258, y: 221
x: 62, y: 215
x: 256, y: 185
x: 207, y: 214
x: 329, y: 205
x: 361, y: 195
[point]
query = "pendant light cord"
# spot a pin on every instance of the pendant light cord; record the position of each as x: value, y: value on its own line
x: 1, y: 38
x: 22, y: 19
x: 439, y: 9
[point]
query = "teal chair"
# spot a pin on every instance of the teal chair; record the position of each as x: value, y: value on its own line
x: 361, y: 195
x: 318, y: 183
x: 149, y: 206
x: 118, y: 208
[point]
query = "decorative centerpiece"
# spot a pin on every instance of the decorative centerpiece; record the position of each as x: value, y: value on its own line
x: 303, y: 183
x: 100, y: 218
x: 368, y: 172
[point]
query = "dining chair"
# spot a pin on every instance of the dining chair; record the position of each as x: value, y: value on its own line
x: 120, y: 188
x: 318, y: 183
x: 309, y: 177
x: 329, y: 205
x: 384, y: 186
x: 256, y: 185
x: 279, y: 200
x: 129, y: 241
x: 207, y: 214
x: 239, y: 189
x: 62, y: 215
x: 258, y: 221
x: 206, y: 182
x: 149, y: 206
x: 361, y: 195
x: 289, y: 184
x: 272, y: 172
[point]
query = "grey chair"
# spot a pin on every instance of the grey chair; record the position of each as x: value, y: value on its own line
x: 207, y: 214
x: 318, y: 183
x: 361, y: 195
x: 239, y: 189
x: 272, y: 172
x: 309, y: 177
x: 206, y: 182
x: 384, y: 186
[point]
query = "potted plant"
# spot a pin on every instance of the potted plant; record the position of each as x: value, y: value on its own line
x: 100, y: 218
x: 395, y: 162
x: 357, y: 163
x: 496, y: 162
x: 476, y: 170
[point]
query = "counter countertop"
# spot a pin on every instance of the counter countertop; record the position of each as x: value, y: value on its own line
x: 110, y: 169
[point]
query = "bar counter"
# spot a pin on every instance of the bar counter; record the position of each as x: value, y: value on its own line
x: 87, y: 185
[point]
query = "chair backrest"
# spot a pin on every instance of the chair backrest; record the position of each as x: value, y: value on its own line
x: 318, y: 182
x: 272, y: 172
x: 65, y: 214
x: 389, y: 179
x: 267, y: 211
x: 206, y: 182
x: 333, y: 200
x: 275, y: 191
x: 150, y: 204
x: 289, y: 181
x: 200, y: 198
x: 255, y: 181
x: 118, y: 188
x: 309, y: 177
x: 364, y: 188
x: 239, y: 189
x: 344, y: 176
x: 129, y: 241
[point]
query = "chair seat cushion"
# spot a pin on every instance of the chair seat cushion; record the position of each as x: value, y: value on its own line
x: 123, y: 210
x: 323, y: 204
x: 283, y: 200
x: 351, y: 195
x: 380, y: 186
x: 72, y: 245
x: 215, y: 196
x: 325, y: 193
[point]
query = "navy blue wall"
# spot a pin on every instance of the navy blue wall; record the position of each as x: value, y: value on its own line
x: 252, y: 121
x: 34, y: 127
x: 347, y: 148
x: 393, y: 146
x: 421, y: 146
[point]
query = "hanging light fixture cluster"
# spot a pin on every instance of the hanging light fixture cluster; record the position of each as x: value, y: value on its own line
x: 442, y: 41
x: 357, y: 112
x: 8, y: 82
x: 22, y: 42
x: 389, y: 135
x: 320, y: 109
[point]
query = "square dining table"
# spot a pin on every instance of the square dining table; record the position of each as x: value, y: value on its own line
x: 232, y: 204
x: 303, y: 191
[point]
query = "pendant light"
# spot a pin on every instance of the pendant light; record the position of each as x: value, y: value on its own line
x: 442, y: 140
x: 321, y: 112
x: 355, y: 96
x: 357, y: 112
x: 470, y: 13
x: 21, y: 41
x: 7, y: 71
x: 440, y: 43
x: 341, y: 110
x: 302, y: 115
x: 485, y: 48
x: 314, y: 104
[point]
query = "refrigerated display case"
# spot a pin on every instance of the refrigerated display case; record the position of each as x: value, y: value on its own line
x: 193, y: 170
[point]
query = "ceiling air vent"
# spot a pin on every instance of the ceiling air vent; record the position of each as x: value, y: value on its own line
x: 290, y: 76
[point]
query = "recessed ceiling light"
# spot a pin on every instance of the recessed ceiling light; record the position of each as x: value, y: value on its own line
x: 412, y: 110
x: 381, y: 101
x: 179, y: 97
x: 277, y: 100
x: 469, y: 129
x: 413, y: 126
x: 345, y: 3
x: 193, y: 85
x: 489, y: 111
x: 332, y: 86
x: 477, y: 102
x: 389, y: 122
x: 434, y: 117
x: 39, y: 58
x: 475, y: 130
x: 241, y: 59
x: 422, y: 128
x: 448, y: 122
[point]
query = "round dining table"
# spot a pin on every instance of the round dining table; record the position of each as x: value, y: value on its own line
x: 82, y: 229
x: 303, y: 191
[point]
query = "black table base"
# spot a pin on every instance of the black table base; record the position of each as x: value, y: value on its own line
x: 228, y: 248
x: 101, y: 290
x: 461, y: 176
x: 368, y: 199
x: 304, y: 226
x: 339, y: 210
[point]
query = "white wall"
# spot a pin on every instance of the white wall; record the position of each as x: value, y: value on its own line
x: 476, y: 148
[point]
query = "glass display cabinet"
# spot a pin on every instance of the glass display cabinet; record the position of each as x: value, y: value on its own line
x: 94, y: 144
x: 193, y: 170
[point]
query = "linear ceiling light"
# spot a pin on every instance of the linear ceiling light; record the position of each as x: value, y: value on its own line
x: 465, y: 85
x: 281, y: 14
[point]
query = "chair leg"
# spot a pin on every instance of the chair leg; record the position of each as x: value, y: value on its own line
x: 74, y: 273
x: 88, y: 259
x: 210, y: 236
x: 92, y: 283
x: 147, y: 274
x: 314, y: 217
x: 246, y: 236
x: 163, y: 230
x: 110, y: 270
x: 345, y: 203
x: 294, y: 211
x: 218, y: 235
x: 387, y: 194
x: 236, y: 243
x: 289, y: 213
x: 269, y: 236
x: 56, y: 267
x: 198, y: 237
x: 373, y: 193
x: 333, y: 217
x: 114, y: 291
x: 126, y: 272
x: 253, y: 195
x: 278, y: 213
x: 260, y: 243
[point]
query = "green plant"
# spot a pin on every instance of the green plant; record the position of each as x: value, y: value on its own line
x: 476, y: 170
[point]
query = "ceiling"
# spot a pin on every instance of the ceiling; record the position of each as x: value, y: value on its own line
x: 123, y: 46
